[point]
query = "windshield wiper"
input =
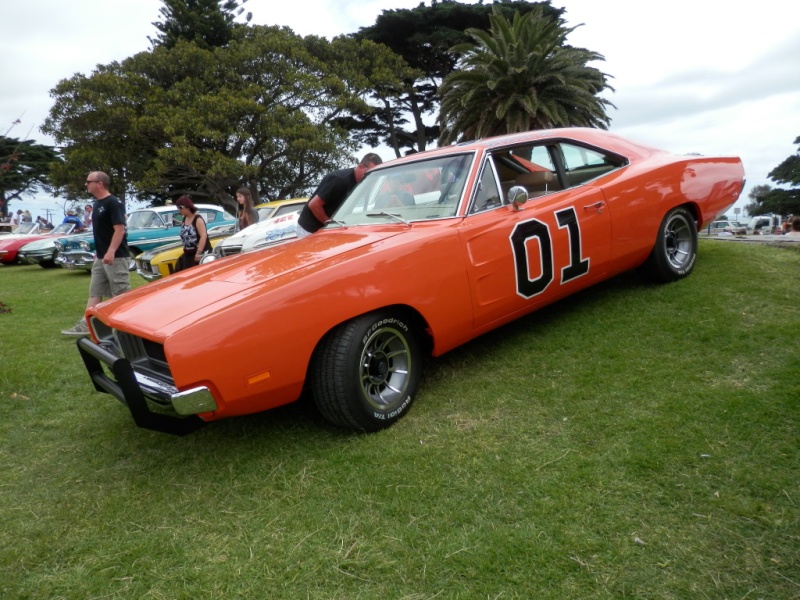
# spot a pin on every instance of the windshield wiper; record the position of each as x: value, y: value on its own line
x: 335, y: 222
x: 390, y: 215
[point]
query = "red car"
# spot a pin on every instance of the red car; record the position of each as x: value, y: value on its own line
x: 10, y: 244
x: 428, y: 252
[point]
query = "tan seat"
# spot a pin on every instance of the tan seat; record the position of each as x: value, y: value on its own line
x: 535, y: 182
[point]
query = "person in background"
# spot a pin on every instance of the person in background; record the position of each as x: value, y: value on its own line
x: 331, y: 193
x: 795, y: 230
x: 72, y: 217
x: 246, y: 214
x: 110, y: 270
x: 16, y: 219
x: 193, y: 234
x: 26, y: 216
x: 87, y: 216
x: 44, y: 223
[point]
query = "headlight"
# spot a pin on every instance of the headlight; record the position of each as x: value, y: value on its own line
x: 59, y: 246
x: 208, y: 258
x: 85, y: 246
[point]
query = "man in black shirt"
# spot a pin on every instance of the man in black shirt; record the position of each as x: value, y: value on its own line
x: 110, y: 270
x: 331, y: 192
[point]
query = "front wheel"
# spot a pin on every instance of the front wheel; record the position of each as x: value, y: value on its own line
x: 365, y: 372
x: 675, y: 251
x: 50, y: 263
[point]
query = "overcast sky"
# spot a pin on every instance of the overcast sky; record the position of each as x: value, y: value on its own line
x: 689, y: 75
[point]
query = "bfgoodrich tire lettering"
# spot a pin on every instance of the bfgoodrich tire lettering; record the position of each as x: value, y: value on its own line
x: 675, y: 251
x: 365, y: 372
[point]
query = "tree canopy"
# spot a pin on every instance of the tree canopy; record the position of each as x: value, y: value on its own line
x: 423, y: 37
x: 260, y: 112
x: 216, y: 103
x: 779, y: 201
x: 207, y: 23
x: 521, y: 75
x: 24, y: 169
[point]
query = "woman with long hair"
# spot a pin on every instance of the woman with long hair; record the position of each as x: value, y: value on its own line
x: 246, y: 214
x: 194, y: 234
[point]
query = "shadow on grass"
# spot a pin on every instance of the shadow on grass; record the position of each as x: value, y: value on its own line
x: 298, y: 429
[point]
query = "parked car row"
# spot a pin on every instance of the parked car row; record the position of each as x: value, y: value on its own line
x: 154, y: 238
x: 273, y: 216
x: 146, y: 229
x: 755, y: 225
x: 13, y: 244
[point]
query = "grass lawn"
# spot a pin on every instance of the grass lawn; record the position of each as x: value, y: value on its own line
x: 633, y: 441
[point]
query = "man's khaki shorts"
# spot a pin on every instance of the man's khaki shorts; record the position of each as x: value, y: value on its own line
x: 110, y: 280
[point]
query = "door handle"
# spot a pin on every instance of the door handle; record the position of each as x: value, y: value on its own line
x: 598, y: 206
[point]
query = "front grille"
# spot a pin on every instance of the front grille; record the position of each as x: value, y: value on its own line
x: 145, y: 266
x: 144, y: 355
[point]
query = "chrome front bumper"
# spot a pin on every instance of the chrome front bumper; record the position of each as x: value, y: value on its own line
x: 147, y: 271
x: 76, y: 260
x: 134, y: 389
x: 34, y: 257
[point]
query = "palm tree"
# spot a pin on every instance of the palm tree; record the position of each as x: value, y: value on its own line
x: 518, y: 76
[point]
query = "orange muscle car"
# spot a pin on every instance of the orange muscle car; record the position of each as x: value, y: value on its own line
x: 428, y: 252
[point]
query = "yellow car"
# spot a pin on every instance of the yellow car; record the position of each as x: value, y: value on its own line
x: 160, y: 262
x: 277, y: 208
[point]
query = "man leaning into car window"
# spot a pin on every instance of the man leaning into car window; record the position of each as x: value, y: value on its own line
x: 331, y: 193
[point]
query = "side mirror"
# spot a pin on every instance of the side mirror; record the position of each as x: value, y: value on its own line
x: 208, y: 258
x: 517, y: 196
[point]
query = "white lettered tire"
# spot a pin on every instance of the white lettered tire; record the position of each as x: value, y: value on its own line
x: 675, y: 251
x: 365, y: 372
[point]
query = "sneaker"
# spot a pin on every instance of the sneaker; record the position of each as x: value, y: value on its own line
x: 80, y: 330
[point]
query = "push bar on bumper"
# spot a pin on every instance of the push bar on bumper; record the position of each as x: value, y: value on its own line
x: 131, y: 391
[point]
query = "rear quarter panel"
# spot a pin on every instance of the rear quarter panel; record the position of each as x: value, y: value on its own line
x: 641, y: 194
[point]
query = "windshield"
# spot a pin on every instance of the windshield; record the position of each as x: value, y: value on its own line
x: 63, y: 228
x: 27, y: 228
x: 144, y: 219
x: 417, y: 191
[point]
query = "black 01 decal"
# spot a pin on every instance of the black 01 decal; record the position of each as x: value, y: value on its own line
x: 577, y: 266
x: 524, y: 231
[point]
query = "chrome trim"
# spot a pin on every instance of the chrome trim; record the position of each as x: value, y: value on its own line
x: 133, y: 389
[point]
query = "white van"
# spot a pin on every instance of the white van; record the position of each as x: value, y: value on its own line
x: 764, y: 224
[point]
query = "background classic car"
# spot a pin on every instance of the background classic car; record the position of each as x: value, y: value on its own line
x: 497, y: 228
x: 11, y: 245
x: 147, y: 228
x: 725, y: 228
x: 42, y: 251
x: 160, y: 262
x: 259, y: 235
x: 276, y: 208
x: 277, y: 221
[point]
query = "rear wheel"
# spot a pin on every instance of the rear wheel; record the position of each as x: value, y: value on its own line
x: 365, y: 372
x: 675, y: 251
